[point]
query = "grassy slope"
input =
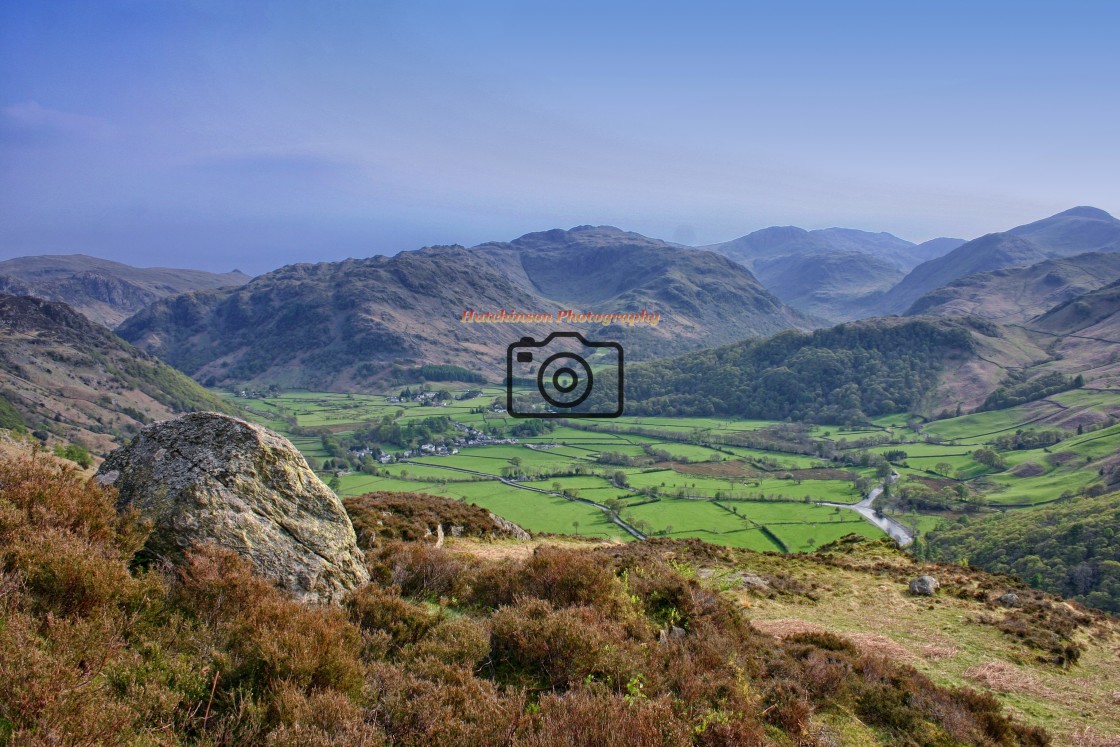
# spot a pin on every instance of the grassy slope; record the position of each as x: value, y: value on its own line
x: 76, y: 380
x: 868, y: 602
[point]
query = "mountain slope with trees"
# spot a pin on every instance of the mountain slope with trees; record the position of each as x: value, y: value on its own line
x: 843, y: 374
x: 1069, y: 548
x: 66, y: 378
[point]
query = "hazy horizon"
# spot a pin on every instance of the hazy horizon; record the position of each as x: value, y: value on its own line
x: 220, y: 136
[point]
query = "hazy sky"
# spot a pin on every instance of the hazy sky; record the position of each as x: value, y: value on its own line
x: 253, y: 134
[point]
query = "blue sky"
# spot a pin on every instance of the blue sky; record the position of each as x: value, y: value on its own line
x: 254, y: 134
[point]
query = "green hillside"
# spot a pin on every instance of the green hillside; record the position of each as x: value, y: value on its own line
x: 844, y: 374
x: 65, y: 377
x: 1069, y: 548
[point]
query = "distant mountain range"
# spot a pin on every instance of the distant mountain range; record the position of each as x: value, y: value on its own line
x: 361, y: 323
x: 104, y: 291
x: 69, y: 377
x: 1021, y: 293
x: 833, y: 273
x: 1084, y: 335
x: 347, y: 325
x: 1075, y: 231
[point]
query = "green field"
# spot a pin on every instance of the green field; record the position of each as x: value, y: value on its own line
x: 756, y: 497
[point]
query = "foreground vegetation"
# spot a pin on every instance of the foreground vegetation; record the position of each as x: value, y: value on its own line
x: 620, y: 645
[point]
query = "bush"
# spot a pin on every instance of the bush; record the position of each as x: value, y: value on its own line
x: 583, y: 717
x: 566, y: 578
x: 375, y: 610
x: 421, y: 570
x: 535, y: 645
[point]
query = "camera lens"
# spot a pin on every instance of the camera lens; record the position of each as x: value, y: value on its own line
x: 569, y: 376
x: 565, y: 380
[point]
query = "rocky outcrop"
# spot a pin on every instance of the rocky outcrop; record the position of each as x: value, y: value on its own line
x: 924, y: 586
x: 508, y: 527
x: 210, y: 478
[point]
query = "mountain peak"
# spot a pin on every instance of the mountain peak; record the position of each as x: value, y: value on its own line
x: 583, y: 236
x: 1085, y: 211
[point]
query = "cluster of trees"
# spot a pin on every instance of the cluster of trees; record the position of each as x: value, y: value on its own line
x: 409, y: 433
x: 1069, y: 548
x: 1029, y: 439
x: 433, y: 372
x: 75, y: 453
x: 990, y: 458
x: 1017, y: 389
x: 650, y: 454
x: 914, y: 495
x: 532, y: 427
x: 840, y: 375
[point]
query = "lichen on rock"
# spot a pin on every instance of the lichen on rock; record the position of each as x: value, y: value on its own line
x: 210, y: 478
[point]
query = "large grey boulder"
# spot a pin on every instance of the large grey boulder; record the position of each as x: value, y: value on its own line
x: 210, y: 478
x: 924, y: 586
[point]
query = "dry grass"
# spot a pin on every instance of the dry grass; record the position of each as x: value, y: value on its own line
x: 861, y: 595
x: 1006, y: 678
x: 936, y: 652
x: 515, y: 549
x: 867, y: 643
x: 1087, y: 737
x: 873, y: 643
x: 787, y: 627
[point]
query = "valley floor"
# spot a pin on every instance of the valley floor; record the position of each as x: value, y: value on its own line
x: 752, y: 484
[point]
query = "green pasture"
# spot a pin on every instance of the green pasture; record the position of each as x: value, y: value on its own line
x: 785, y: 514
x: 536, y: 512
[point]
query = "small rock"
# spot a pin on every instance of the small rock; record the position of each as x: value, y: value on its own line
x: 924, y: 586
x: 671, y: 633
x: 1010, y: 599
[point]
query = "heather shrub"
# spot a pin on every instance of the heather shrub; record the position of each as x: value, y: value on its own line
x: 670, y: 599
x: 422, y: 570
x: 707, y: 671
x: 325, y: 717
x: 264, y: 639
x: 68, y: 575
x: 37, y: 493
x: 431, y: 703
x: 582, y: 718
x: 48, y: 681
x: 378, y: 610
x: 535, y: 645
x: 566, y: 578
x: 381, y: 516
x: 459, y: 641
